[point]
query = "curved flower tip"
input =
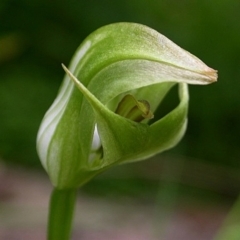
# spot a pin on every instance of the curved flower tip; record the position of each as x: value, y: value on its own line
x: 212, y: 74
x: 117, y: 79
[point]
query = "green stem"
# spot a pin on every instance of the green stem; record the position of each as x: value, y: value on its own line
x: 61, y: 211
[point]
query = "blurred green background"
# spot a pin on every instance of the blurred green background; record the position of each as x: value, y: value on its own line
x: 37, y: 35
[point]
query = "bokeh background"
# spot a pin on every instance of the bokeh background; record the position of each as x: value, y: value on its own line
x: 37, y: 35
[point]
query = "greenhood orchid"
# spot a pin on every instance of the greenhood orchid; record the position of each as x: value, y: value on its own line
x: 118, y: 77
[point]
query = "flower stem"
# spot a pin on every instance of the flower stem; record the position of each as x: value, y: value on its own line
x: 61, y: 211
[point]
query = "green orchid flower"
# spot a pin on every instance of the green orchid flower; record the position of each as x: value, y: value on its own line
x: 101, y: 116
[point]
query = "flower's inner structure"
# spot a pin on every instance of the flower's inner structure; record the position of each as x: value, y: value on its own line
x: 133, y: 109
